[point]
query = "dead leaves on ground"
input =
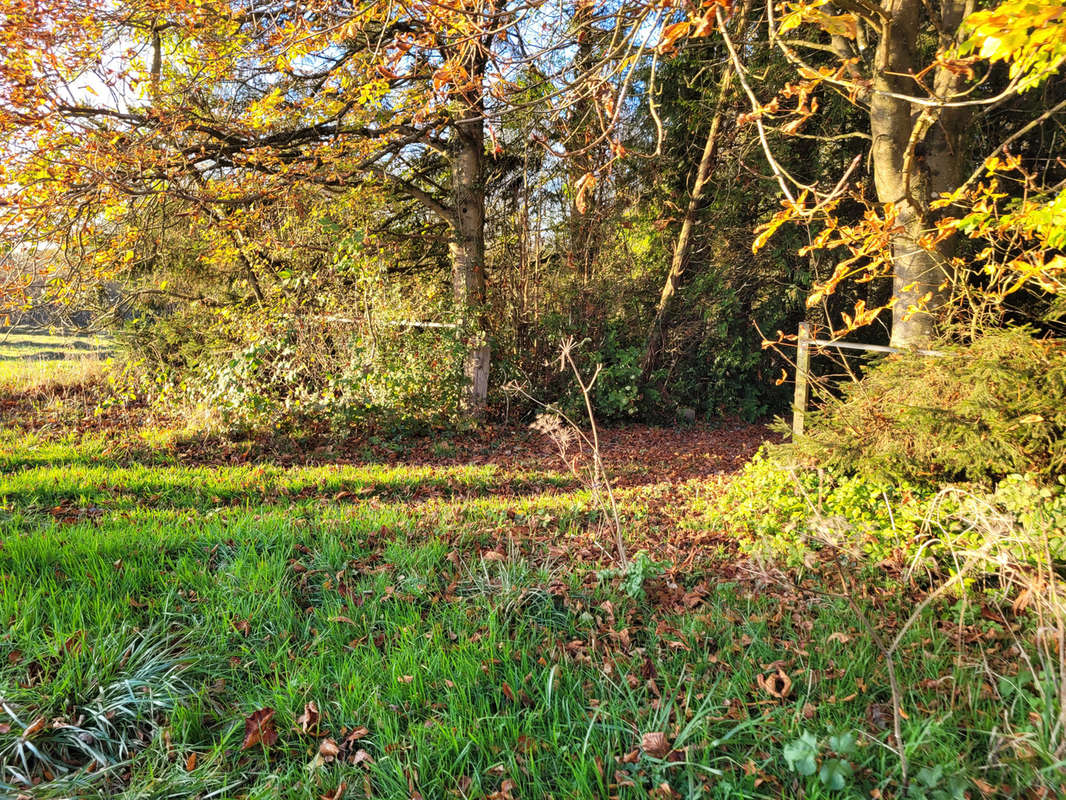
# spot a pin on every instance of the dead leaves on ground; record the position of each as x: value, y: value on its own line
x: 259, y: 729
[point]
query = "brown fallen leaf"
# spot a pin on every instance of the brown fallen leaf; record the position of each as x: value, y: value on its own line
x: 664, y: 791
x: 74, y: 643
x: 655, y: 744
x: 308, y: 721
x: 337, y: 794
x: 406, y: 678
x: 357, y: 734
x: 360, y: 757
x: 328, y: 749
x: 190, y: 762
x: 259, y: 729
x: 777, y: 685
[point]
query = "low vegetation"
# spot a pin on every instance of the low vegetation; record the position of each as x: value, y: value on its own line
x: 389, y: 619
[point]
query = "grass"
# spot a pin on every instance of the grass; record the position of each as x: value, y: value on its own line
x: 33, y: 361
x: 425, y: 631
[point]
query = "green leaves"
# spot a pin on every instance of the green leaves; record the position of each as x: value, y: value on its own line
x: 802, y: 754
x: 834, y: 773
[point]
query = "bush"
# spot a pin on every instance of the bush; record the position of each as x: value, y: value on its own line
x: 784, y: 512
x: 979, y: 413
x: 301, y: 374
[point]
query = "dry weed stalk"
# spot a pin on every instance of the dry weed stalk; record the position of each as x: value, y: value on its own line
x: 564, y: 433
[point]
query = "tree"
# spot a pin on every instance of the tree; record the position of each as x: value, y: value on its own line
x: 228, y: 105
x: 921, y: 74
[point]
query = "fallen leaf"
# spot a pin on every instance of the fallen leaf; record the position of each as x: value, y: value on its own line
x: 357, y: 734
x: 655, y: 744
x: 308, y: 721
x: 777, y: 685
x: 328, y: 749
x: 360, y: 757
x: 338, y: 794
x: 259, y: 729
x: 190, y: 762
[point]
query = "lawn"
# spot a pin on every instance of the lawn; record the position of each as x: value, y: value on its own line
x: 439, y: 618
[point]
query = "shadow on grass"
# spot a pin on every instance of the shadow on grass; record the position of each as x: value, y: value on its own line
x: 202, y: 488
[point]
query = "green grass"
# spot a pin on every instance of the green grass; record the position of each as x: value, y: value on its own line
x: 366, y: 591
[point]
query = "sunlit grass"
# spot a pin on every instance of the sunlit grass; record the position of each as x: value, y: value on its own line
x: 446, y: 611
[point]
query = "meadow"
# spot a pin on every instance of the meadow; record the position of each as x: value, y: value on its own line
x: 187, y: 616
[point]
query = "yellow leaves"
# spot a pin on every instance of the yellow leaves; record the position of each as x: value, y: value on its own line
x: 798, y: 14
x: 767, y: 229
x: 265, y: 111
x: 840, y: 25
x: 1029, y: 35
x: 801, y: 13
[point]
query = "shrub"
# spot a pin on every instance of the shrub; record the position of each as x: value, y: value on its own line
x: 979, y: 413
x: 784, y: 512
x: 299, y: 373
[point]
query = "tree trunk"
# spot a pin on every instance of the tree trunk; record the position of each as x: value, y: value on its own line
x: 916, y: 154
x: 467, y: 249
x: 584, y: 223
x: 683, y: 245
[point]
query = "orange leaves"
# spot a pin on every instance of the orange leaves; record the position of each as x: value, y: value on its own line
x: 671, y: 33
x: 767, y: 229
x: 584, y: 185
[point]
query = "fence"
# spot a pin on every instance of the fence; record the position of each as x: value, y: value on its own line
x: 804, y: 343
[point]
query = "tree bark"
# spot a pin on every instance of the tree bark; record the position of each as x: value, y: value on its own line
x: 584, y: 223
x: 467, y: 247
x: 916, y: 155
x: 683, y: 245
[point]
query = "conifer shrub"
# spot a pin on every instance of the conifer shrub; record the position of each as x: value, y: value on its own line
x: 978, y: 413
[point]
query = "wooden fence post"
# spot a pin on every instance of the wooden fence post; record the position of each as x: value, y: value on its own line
x: 803, y: 367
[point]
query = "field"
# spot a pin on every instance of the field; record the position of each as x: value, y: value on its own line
x: 439, y: 617
x: 31, y: 358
